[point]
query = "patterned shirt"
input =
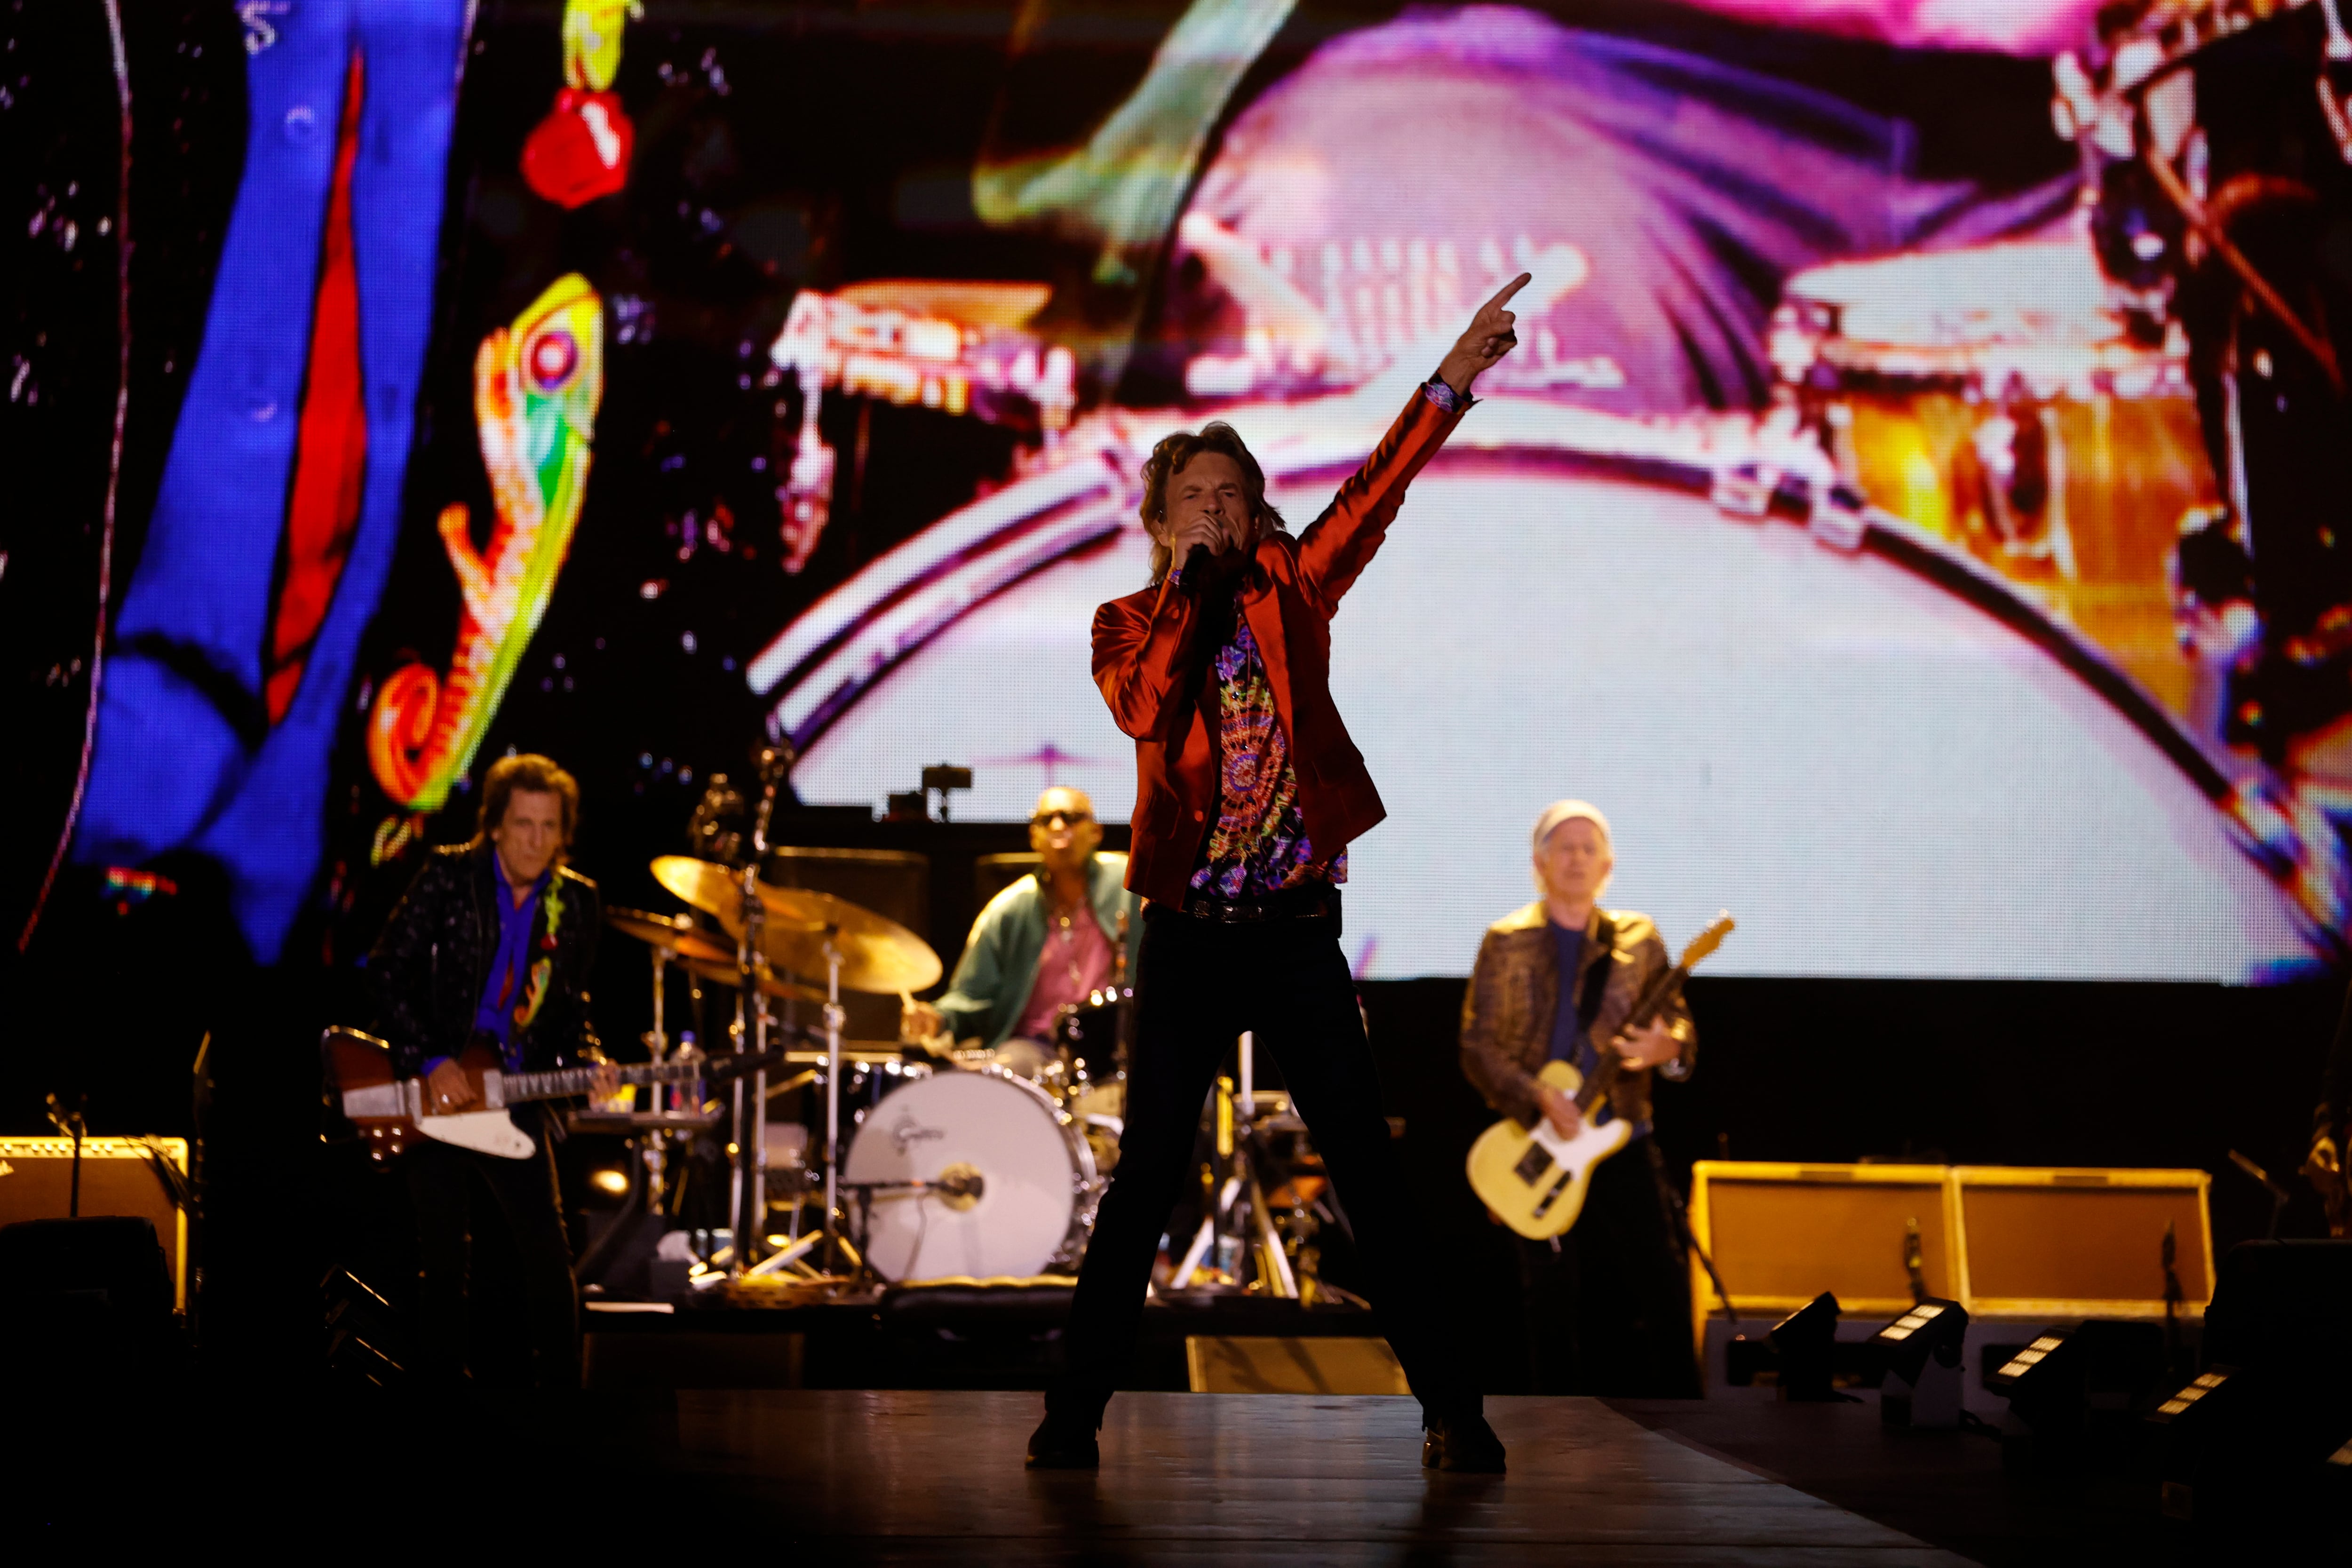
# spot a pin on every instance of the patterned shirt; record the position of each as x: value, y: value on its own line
x: 1259, y: 844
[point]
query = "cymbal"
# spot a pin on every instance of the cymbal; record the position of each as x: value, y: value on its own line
x: 674, y: 934
x: 716, y: 889
x: 726, y: 974
x: 878, y: 953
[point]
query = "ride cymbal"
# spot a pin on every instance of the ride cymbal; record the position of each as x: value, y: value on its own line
x: 716, y: 889
x: 878, y: 953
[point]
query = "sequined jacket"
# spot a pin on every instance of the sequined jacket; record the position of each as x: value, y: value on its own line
x: 427, y: 970
x: 1517, y: 990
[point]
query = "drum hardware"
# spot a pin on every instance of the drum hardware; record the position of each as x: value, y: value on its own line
x: 2178, y: 131
x: 802, y: 931
x: 2201, y: 220
x: 751, y: 1206
x: 1238, y: 1219
x: 769, y: 985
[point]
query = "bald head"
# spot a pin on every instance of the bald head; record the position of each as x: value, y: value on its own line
x: 1062, y: 829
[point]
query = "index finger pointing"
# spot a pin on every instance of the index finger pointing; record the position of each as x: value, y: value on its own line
x: 1504, y: 297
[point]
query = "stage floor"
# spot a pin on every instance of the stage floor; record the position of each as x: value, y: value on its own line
x: 936, y: 1476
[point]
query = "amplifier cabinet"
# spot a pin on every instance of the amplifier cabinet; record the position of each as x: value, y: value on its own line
x: 1782, y: 1233
x: 2080, y: 1243
x: 37, y: 1183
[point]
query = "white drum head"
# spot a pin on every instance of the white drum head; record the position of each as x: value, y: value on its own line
x: 964, y: 1123
x: 1877, y: 776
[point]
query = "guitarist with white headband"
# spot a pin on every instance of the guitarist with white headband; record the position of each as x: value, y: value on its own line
x: 1608, y: 1304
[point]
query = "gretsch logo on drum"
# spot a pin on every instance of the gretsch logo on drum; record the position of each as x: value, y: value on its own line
x: 905, y: 1132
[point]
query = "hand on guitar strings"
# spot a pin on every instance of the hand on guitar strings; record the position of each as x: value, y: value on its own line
x: 1652, y: 1044
x: 1559, y: 1107
x: 447, y: 1089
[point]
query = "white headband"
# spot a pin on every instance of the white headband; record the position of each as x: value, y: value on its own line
x: 1559, y: 811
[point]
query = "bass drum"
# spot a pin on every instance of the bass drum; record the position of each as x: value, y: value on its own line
x: 1886, y: 759
x: 1037, y: 1181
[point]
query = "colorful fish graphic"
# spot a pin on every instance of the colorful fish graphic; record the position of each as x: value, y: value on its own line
x: 536, y: 389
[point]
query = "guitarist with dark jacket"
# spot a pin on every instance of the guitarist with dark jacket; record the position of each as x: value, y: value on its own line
x: 1607, y: 1305
x: 490, y: 950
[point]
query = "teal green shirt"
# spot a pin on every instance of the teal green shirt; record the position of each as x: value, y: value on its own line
x: 989, y: 989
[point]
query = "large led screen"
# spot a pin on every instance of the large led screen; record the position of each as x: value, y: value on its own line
x: 640, y: 383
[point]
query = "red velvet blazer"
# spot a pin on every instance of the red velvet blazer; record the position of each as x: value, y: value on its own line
x: 1154, y: 671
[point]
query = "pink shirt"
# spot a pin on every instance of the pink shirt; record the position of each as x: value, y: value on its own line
x: 1073, y: 961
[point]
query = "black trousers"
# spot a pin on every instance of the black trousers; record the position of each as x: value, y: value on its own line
x: 465, y: 1201
x: 1199, y: 986
x: 1610, y: 1311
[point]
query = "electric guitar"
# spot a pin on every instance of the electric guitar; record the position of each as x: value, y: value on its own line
x: 1532, y: 1178
x: 392, y: 1112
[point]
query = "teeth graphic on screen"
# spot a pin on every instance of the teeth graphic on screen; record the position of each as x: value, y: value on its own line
x: 536, y: 389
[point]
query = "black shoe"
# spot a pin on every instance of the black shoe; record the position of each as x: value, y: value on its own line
x: 1062, y: 1446
x: 1462, y: 1445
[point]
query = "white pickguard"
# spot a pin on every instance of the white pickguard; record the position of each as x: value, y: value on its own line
x: 484, y: 1132
x: 1590, y: 1145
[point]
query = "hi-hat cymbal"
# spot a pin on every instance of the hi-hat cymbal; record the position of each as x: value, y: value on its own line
x: 674, y: 934
x: 726, y: 974
x: 716, y: 889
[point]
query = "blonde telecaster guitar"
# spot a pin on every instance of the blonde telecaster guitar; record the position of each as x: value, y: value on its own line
x: 1533, y: 1179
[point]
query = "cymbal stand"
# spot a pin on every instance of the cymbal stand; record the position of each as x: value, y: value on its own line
x: 834, y: 1019
x: 750, y: 1218
x: 657, y: 1037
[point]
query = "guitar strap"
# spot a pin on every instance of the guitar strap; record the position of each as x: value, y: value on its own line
x: 1596, y: 975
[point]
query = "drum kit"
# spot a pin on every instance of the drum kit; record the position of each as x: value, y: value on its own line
x: 976, y: 1164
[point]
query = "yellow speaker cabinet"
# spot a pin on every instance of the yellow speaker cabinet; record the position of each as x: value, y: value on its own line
x: 2075, y: 1243
x: 1782, y: 1233
x: 37, y: 1183
x: 2002, y: 1240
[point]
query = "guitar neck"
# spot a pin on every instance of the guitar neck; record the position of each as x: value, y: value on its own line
x: 567, y: 1081
x: 1646, y: 1006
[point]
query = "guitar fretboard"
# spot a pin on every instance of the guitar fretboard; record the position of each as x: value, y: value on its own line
x: 566, y: 1081
x: 1654, y: 996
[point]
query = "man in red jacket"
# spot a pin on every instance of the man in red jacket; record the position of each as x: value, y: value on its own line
x: 1248, y: 794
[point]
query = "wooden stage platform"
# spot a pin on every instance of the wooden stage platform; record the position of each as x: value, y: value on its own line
x: 936, y: 1476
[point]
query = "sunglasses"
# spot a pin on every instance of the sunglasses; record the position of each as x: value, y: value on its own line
x: 1059, y: 818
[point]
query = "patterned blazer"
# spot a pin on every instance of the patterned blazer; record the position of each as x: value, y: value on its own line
x: 1517, y: 990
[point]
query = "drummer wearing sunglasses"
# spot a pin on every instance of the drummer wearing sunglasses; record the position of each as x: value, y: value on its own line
x: 1248, y: 794
x: 1047, y: 942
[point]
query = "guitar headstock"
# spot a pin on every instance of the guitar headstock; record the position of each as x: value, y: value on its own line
x: 1708, y: 941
